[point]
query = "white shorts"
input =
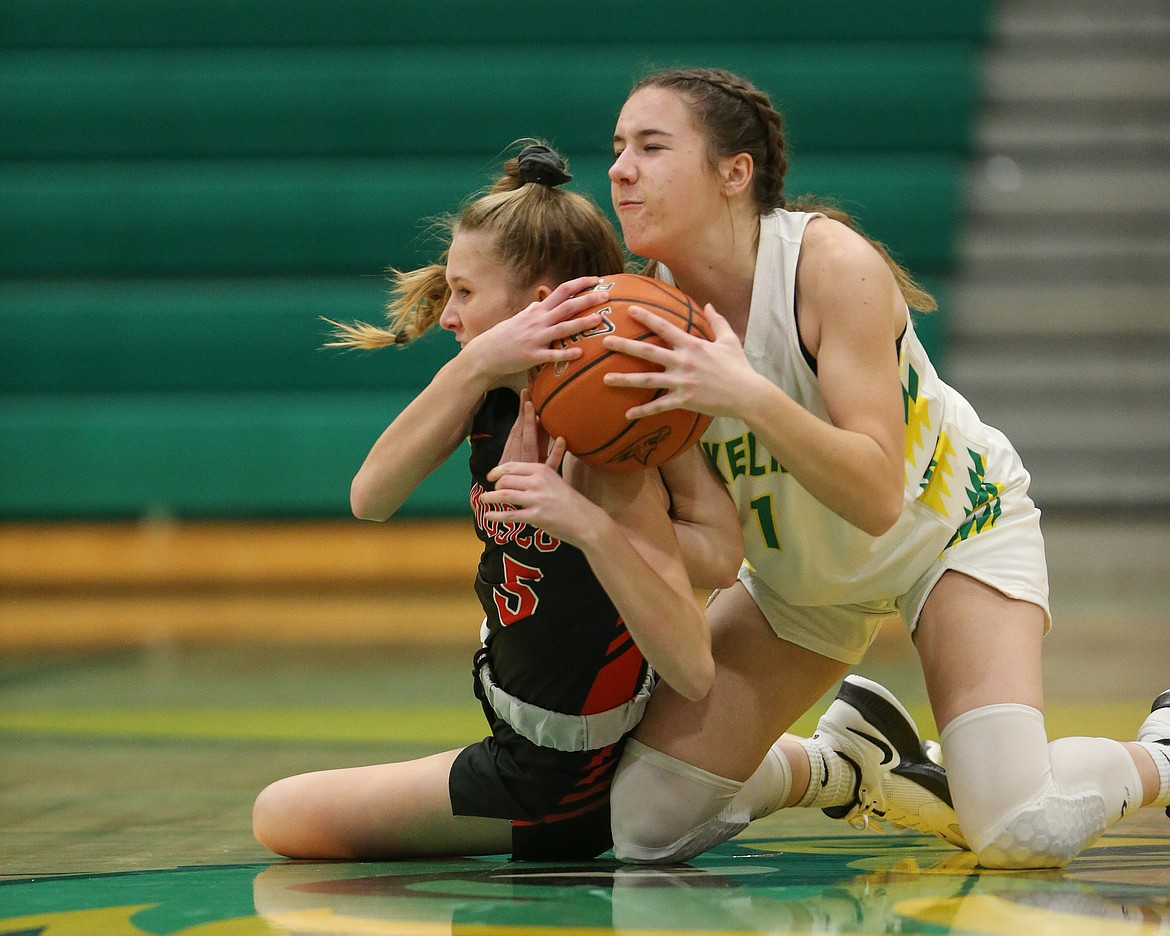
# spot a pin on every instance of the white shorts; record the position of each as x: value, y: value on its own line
x: 841, y: 632
x: 1007, y: 555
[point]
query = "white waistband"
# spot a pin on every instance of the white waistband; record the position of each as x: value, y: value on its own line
x: 561, y: 732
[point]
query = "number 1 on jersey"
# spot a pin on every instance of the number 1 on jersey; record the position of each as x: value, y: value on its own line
x: 766, y: 516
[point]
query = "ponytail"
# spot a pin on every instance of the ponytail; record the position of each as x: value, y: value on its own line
x: 540, y: 230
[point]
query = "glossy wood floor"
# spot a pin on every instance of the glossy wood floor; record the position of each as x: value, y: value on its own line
x: 127, y: 776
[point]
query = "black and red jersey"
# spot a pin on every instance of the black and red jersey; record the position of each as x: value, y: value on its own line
x: 554, y: 637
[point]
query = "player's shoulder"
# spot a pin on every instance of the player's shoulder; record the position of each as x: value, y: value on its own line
x: 837, y: 264
x: 831, y: 241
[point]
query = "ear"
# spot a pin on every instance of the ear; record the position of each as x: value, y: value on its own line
x: 542, y: 292
x: 736, y: 173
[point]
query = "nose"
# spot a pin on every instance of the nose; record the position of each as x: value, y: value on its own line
x: 448, y: 319
x: 622, y: 169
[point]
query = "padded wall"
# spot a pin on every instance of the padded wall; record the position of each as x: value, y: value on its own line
x: 187, y: 187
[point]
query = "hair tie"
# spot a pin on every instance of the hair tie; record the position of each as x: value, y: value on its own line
x: 543, y: 165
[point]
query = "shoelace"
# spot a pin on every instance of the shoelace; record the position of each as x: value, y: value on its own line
x: 867, y: 813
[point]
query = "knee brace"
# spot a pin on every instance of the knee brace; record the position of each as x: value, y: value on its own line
x: 1046, y: 833
x: 1025, y: 803
x: 664, y: 810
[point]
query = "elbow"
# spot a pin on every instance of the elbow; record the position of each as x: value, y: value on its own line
x: 727, y: 571
x: 269, y: 825
x: 363, y: 504
x: 698, y: 685
x: 882, y: 514
x: 700, y: 677
x: 363, y: 513
x: 718, y: 572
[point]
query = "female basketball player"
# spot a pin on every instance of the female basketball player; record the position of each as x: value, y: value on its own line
x: 866, y: 488
x: 582, y: 577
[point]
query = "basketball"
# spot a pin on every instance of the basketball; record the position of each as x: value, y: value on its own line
x: 572, y: 399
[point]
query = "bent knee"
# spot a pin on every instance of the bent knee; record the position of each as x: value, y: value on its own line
x: 268, y: 815
x: 279, y: 822
x: 1048, y: 833
x: 640, y: 832
x: 663, y: 810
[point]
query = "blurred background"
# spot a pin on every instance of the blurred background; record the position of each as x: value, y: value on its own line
x: 186, y: 188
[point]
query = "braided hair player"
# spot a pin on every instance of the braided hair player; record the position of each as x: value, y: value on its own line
x: 868, y: 490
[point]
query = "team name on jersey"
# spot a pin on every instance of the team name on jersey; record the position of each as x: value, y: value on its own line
x: 741, y: 457
x: 522, y: 534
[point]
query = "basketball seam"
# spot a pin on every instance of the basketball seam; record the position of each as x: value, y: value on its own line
x: 604, y: 356
x: 680, y: 312
x: 632, y: 424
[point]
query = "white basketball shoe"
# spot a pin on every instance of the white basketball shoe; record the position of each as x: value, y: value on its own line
x: 899, y: 778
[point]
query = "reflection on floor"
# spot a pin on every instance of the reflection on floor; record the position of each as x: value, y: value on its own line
x: 126, y: 780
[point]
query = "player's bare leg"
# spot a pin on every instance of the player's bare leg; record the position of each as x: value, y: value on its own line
x: 379, y: 812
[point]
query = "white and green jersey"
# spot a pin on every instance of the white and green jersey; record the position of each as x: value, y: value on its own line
x: 956, y: 467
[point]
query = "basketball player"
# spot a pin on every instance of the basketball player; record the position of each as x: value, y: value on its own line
x: 867, y: 489
x: 582, y: 577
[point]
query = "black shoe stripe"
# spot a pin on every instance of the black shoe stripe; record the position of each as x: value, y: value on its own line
x: 930, y: 776
x: 1163, y: 701
x: 887, y: 752
x: 840, y: 812
x: 886, y: 718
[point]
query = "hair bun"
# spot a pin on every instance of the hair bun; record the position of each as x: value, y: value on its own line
x: 543, y: 165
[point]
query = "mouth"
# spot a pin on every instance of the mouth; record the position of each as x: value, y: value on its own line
x: 628, y: 203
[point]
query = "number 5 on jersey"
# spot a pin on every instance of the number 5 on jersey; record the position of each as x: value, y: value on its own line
x: 515, y: 597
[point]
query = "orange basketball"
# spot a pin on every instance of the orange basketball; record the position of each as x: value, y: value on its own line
x: 573, y: 401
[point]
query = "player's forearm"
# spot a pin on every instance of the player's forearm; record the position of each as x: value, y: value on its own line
x: 667, y: 624
x: 419, y: 439
x: 840, y: 468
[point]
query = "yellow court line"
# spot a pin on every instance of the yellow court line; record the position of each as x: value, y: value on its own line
x: 454, y: 725
x: 421, y: 724
x: 114, y: 921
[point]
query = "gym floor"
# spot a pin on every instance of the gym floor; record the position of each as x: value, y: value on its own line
x: 127, y: 776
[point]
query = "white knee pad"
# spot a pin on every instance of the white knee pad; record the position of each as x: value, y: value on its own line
x: 1024, y: 803
x: 1047, y: 833
x: 664, y: 810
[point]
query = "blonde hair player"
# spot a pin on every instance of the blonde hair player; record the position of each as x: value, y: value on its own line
x: 867, y: 489
x: 582, y: 579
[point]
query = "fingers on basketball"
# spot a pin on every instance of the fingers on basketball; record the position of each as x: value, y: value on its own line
x: 573, y: 400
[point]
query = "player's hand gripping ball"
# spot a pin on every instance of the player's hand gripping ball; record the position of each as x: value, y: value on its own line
x: 572, y: 399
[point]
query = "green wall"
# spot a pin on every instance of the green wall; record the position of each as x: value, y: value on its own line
x: 187, y: 187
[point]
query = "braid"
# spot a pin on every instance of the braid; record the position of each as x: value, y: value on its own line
x: 771, y: 169
x: 737, y: 117
x: 749, y: 125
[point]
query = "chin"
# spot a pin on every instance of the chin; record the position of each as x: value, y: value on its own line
x: 642, y: 246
